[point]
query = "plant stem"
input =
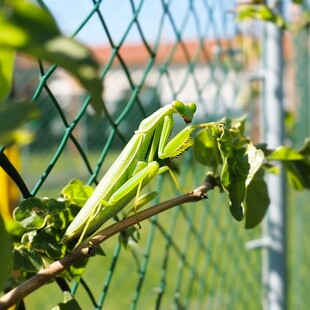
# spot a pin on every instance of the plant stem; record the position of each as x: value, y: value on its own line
x: 88, y: 248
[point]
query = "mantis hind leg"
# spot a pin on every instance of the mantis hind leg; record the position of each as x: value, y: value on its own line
x: 135, y: 184
x: 164, y: 169
x: 85, y: 228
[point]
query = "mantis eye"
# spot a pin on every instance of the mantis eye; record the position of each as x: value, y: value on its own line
x: 187, y: 111
x: 192, y: 107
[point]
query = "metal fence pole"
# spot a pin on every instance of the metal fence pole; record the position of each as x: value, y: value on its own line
x: 274, y: 260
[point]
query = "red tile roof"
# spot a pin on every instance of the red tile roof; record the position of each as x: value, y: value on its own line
x: 138, y: 54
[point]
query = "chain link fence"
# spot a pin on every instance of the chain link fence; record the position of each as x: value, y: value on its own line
x: 152, y: 52
x: 298, y: 206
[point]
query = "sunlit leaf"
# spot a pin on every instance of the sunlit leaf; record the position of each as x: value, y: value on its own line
x: 285, y: 153
x: 12, y: 116
x: 261, y: 12
x: 206, y: 149
x: 296, y: 164
x: 6, y: 72
x: 237, y: 124
x: 30, y: 29
x: 76, y: 270
x: 76, y: 192
x: 256, y: 158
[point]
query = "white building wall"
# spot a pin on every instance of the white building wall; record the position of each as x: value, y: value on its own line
x: 218, y: 91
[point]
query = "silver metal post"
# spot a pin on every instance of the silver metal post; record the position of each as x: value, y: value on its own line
x: 274, y: 255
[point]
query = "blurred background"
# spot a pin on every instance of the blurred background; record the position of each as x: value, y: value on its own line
x: 152, y: 52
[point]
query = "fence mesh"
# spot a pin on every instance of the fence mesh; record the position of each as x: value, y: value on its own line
x: 298, y: 207
x: 152, y: 52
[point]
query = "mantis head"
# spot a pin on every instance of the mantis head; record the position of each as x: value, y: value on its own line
x: 186, y: 111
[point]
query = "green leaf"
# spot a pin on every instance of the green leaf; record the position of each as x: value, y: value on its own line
x: 35, y: 213
x: 12, y: 116
x: 69, y: 303
x: 236, y: 124
x: 59, y: 214
x: 75, y: 192
x: 272, y: 169
x: 298, y: 174
x: 26, y: 259
x: 206, y: 149
x: 296, y: 164
x: 31, y: 213
x: 30, y: 29
x: 305, y: 151
x: 236, y: 128
x: 285, y: 153
x: 245, y: 12
x: 6, y: 254
x: 261, y: 12
x: 241, y: 163
x: 76, y: 270
x: 6, y: 72
x: 130, y: 234
x: 234, y: 173
x: 47, y: 241
x: 28, y: 237
x: 257, y: 200
x: 256, y: 159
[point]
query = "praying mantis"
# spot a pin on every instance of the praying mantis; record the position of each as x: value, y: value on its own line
x: 134, y: 168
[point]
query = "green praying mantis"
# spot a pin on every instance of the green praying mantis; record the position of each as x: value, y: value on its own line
x: 134, y: 168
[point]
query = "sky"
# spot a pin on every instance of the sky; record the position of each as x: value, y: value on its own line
x: 215, y: 19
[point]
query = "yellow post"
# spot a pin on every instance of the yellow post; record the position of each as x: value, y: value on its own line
x: 9, y: 193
